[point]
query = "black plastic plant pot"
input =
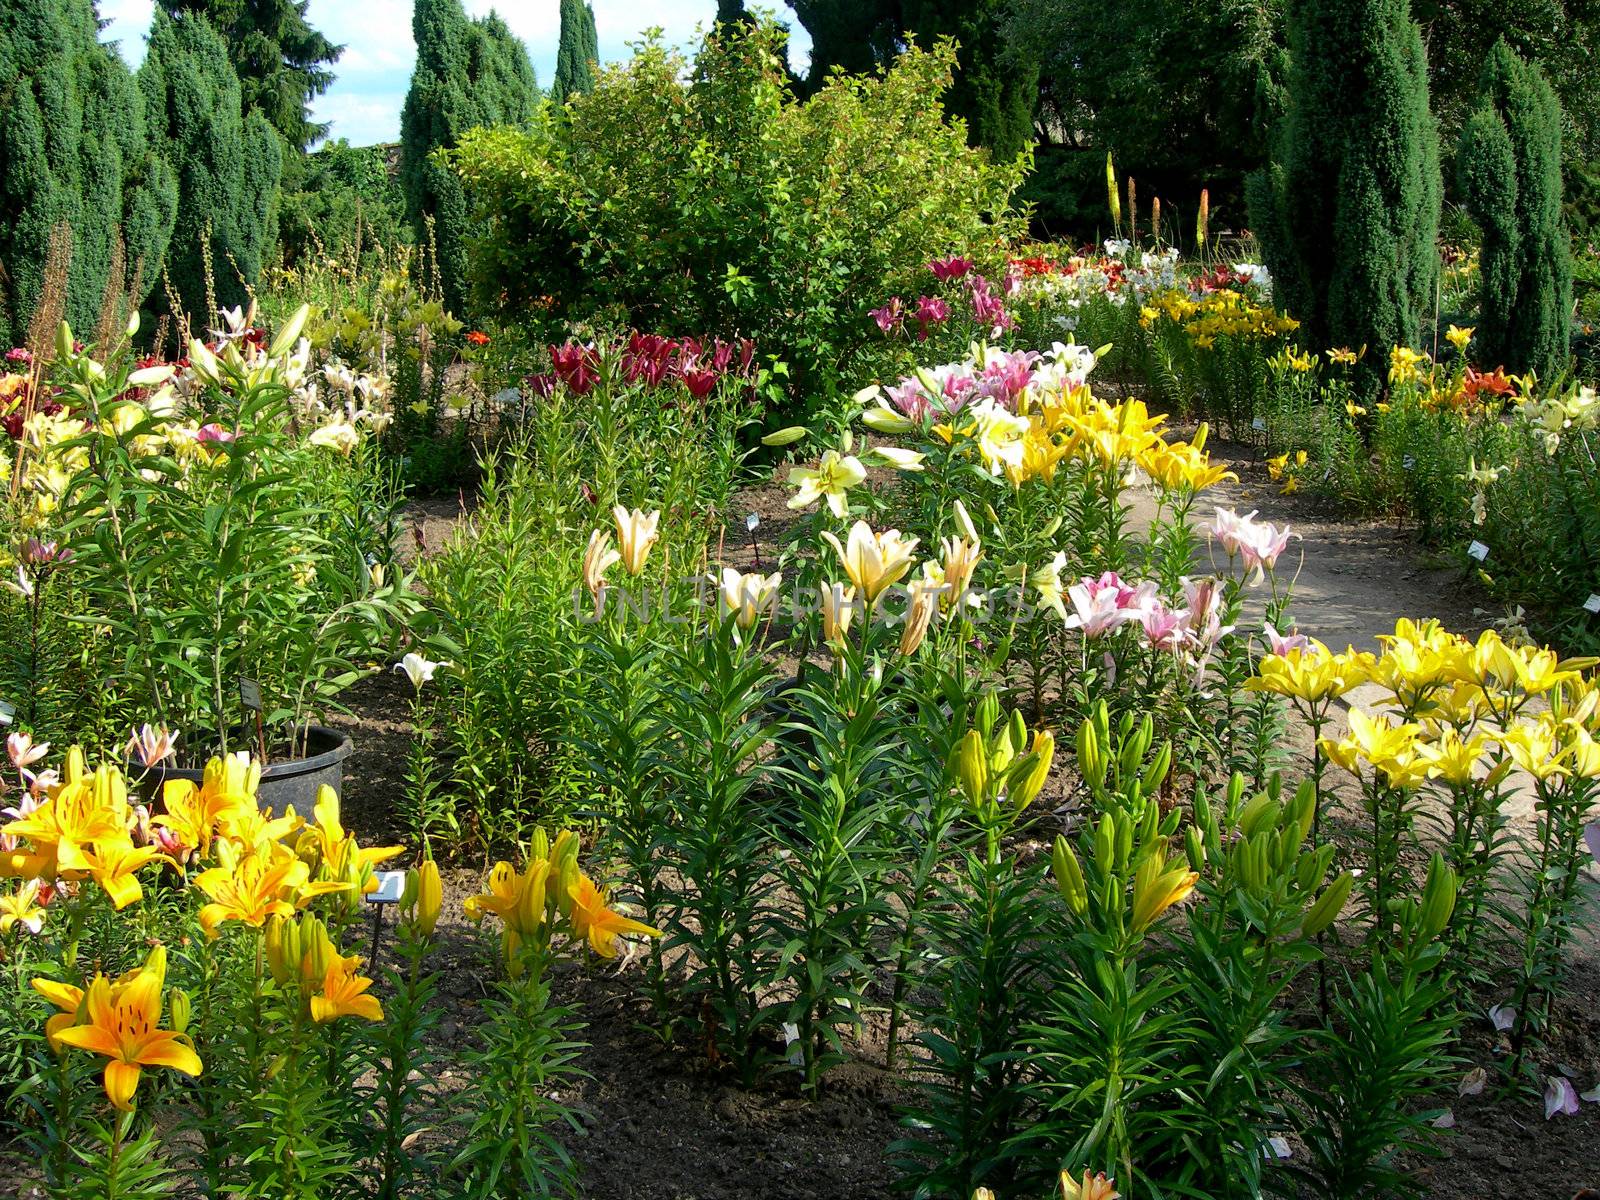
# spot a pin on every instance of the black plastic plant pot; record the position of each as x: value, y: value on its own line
x: 288, y: 781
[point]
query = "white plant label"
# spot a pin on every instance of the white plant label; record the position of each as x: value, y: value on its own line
x: 1592, y: 604
x: 1277, y: 1147
x: 1258, y: 424
x: 751, y: 522
x: 1408, y: 463
x: 1478, y: 551
x: 8, y: 712
x: 391, y: 888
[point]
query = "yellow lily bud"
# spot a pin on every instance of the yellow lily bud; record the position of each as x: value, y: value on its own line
x: 1155, y: 890
x: 971, y: 767
x: 1029, y: 776
x: 1069, y: 876
x: 428, y: 897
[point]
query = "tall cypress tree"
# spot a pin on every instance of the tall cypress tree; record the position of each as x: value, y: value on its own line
x: 995, y: 97
x: 281, y: 61
x: 1509, y: 169
x: 1348, y: 208
x: 468, y: 73
x: 73, y: 145
x: 578, y: 49
x: 228, y: 162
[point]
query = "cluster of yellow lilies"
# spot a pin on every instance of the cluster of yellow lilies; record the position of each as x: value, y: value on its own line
x: 1222, y: 313
x: 1451, y: 709
x: 551, y: 893
x: 1073, y: 425
x: 253, y: 869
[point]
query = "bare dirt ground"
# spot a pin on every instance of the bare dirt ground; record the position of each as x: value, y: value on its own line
x: 661, y: 1123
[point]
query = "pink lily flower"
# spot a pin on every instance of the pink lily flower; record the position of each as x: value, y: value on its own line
x: 23, y: 751
x: 149, y: 746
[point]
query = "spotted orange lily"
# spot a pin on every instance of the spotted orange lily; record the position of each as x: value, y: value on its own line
x: 122, y: 1022
x: 592, y: 918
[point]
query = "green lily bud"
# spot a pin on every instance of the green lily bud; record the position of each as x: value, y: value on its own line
x: 1124, y: 841
x: 1233, y: 796
x: 1306, y: 872
x: 988, y: 714
x: 1327, y: 907
x: 785, y: 436
x: 64, y: 340
x: 1261, y: 813
x: 290, y: 333
x: 1438, y: 898
x: 1091, y: 762
x: 1156, y: 773
x: 540, y: 848
x: 182, y: 1007
x: 1105, y: 843
x: 1069, y: 876
x: 1194, y: 848
x: 1052, y: 529
x: 1303, y: 807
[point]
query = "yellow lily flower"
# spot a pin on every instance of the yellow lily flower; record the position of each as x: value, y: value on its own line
x: 831, y: 480
x: 1157, y: 887
x: 594, y: 920
x: 82, y: 809
x: 123, y: 1025
x: 115, y: 862
x: 335, y: 847
x: 344, y: 994
x: 519, y: 900
x: 750, y: 596
x: 264, y: 882
x: 598, y: 557
x: 227, y: 788
x: 1311, y: 674
x: 1459, y: 337
x: 873, y: 561
x: 636, y: 534
x: 21, y: 907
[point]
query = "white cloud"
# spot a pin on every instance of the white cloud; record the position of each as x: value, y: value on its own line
x: 372, y: 77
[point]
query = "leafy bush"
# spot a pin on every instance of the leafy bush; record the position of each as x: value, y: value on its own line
x: 344, y: 201
x: 687, y: 198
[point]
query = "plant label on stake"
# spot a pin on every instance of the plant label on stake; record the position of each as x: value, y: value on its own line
x: 1592, y: 604
x: 391, y: 889
x: 751, y: 523
x: 1258, y: 424
x: 8, y: 711
x: 1478, y: 551
x: 1408, y: 463
x: 250, y: 697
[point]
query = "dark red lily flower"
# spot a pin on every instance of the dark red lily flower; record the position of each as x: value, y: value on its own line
x: 946, y: 269
x: 576, y: 366
x: 701, y: 383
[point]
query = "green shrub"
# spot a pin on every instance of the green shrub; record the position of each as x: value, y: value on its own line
x: 1348, y: 209
x: 228, y: 164
x: 1509, y: 164
x: 72, y: 138
x: 707, y: 200
x: 469, y: 73
x: 342, y: 200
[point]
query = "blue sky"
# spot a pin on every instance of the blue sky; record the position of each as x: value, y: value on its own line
x: 364, y: 102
